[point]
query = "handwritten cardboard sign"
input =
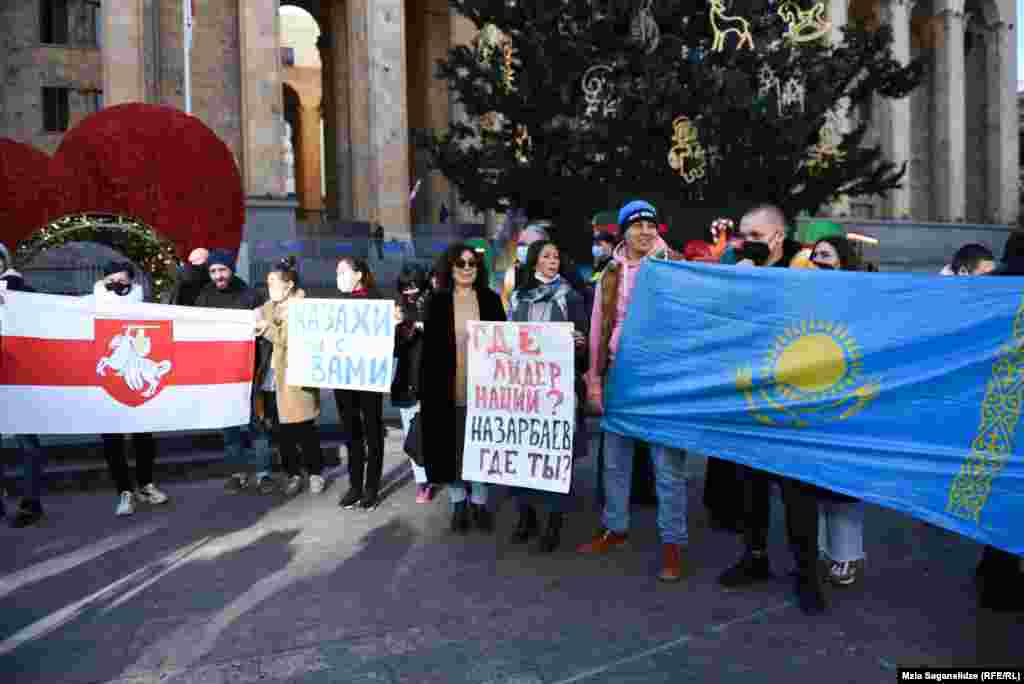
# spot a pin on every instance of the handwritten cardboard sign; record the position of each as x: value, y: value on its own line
x: 341, y: 343
x: 521, y: 405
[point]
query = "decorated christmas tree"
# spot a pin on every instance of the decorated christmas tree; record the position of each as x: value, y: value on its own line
x: 571, y: 106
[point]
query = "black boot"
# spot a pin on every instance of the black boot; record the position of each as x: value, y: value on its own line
x: 29, y: 512
x: 552, y: 534
x: 526, y: 527
x: 351, y: 498
x: 484, y: 518
x: 460, y: 518
x: 810, y: 594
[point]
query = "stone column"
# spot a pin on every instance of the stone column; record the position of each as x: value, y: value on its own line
x: 377, y: 114
x: 436, y: 106
x: 124, y: 63
x: 308, y: 165
x: 334, y: 59
x: 948, y: 188
x: 262, y: 100
x: 462, y: 31
x: 1003, y: 131
x: 897, y: 125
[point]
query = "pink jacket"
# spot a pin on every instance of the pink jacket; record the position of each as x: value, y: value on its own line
x: 627, y: 276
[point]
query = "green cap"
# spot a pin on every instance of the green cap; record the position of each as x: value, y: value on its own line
x: 810, y: 233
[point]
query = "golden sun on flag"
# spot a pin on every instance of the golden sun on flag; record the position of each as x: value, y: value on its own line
x: 813, y: 361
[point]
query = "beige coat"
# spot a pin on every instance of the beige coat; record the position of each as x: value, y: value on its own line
x: 294, y: 404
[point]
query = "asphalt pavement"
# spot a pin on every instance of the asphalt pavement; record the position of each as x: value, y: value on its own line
x: 217, y: 588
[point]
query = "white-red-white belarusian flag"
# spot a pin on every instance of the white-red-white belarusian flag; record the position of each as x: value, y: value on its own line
x: 70, y: 366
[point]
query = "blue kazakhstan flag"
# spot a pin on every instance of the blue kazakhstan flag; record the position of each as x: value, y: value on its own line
x: 902, y: 390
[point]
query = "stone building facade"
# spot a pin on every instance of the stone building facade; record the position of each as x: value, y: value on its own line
x: 63, y: 59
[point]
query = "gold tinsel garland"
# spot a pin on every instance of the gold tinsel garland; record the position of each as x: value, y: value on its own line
x: 136, y: 241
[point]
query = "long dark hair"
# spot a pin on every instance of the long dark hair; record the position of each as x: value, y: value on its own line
x: 360, y: 265
x: 412, y: 276
x: 848, y: 260
x: 529, y: 275
x: 446, y: 267
x: 287, y: 269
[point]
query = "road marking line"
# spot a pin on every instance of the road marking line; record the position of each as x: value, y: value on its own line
x: 55, y: 566
x: 668, y: 646
x: 69, y: 612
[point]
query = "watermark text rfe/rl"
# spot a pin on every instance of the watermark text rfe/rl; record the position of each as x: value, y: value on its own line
x: 959, y: 675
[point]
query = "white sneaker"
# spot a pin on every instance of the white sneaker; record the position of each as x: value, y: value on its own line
x: 126, y: 506
x: 151, y: 495
x: 316, y: 484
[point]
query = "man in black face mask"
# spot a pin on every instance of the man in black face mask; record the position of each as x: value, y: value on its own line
x: 193, y: 276
x: 763, y: 230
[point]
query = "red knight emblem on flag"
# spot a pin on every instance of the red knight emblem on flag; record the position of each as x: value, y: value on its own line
x: 134, y: 358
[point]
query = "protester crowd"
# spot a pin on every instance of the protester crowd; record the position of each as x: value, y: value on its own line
x: 825, y: 529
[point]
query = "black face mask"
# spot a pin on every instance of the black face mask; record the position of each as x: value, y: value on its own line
x: 120, y: 289
x: 758, y: 252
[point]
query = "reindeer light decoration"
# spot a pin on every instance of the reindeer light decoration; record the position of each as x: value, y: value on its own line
x: 803, y: 25
x: 722, y: 25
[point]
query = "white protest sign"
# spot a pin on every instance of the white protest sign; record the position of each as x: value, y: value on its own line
x: 521, y: 405
x: 341, y: 343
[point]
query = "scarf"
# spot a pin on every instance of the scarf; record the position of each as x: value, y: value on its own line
x: 546, y: 303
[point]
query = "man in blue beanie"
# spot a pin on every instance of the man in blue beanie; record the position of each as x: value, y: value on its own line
x: 228, y: 291
x: 638, y: 222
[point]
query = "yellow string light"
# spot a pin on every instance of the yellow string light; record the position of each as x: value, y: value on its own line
x: 687, y: 156
x: 722, y: 25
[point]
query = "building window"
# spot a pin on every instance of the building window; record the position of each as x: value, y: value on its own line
x: 53, y: 22
x: 56, y: 114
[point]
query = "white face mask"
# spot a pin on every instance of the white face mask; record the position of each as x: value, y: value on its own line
x: 279, y: 292
x: 348, y: 281
x: 544, y: 279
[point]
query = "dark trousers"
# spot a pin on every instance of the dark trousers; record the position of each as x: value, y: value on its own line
x: 304, y: 437
x: 801, y: 502
x: 362, y: 419
x: 145, y: 453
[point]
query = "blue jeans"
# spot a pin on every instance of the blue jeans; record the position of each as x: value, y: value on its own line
x: 33, y: 462
x: 670, y: 478
x: 240, y: 454
x: 841, y: 530
x: 457, y: 493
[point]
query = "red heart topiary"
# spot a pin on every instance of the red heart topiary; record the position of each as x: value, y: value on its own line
x: 154, y: 164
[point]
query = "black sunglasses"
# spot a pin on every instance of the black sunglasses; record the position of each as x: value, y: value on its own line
x: 465, y: 263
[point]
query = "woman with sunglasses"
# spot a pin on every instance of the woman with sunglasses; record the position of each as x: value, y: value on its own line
x: 463, y: 295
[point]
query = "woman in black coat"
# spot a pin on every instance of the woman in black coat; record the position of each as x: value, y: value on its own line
x: 463, y: 295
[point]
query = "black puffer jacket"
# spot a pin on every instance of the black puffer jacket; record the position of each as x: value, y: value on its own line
x: 237, y: 295
x: 408, y: 352
x: 189, y: 285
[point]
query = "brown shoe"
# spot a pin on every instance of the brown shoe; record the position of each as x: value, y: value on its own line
x: 671, y: 563
x: 604, y: 542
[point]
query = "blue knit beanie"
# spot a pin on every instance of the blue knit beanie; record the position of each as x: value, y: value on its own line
x: 637, y: 210
x: 221, y: 257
